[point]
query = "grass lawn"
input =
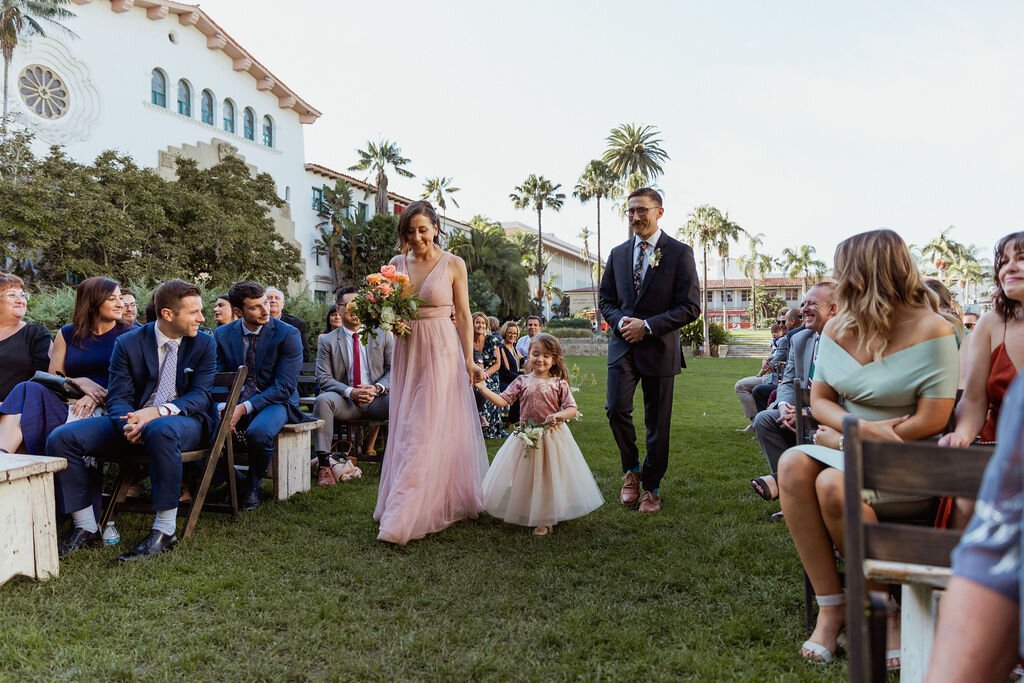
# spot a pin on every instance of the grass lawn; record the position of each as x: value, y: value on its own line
x: 707, y: 590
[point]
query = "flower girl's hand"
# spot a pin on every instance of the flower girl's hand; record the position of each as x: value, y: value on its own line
x: 551, y: 419
x: 476, y: 373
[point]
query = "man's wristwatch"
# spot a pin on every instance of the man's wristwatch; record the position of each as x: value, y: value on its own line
x: 164, y: 411
x: 647, y: 328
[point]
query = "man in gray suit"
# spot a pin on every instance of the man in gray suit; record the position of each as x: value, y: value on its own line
x: 776, y: 427
x: 354, y: 380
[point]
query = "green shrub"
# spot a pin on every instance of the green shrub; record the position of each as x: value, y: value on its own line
x: 718, y: 335
x: 51, y: 308
x: 692, y: 334
x: 576, y: 323
x: 313, y: 312
x: 569, y: 332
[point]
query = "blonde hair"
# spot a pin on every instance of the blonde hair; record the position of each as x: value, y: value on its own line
x: 875, y: 275
x: 549, y: 344
x: 947, y: 308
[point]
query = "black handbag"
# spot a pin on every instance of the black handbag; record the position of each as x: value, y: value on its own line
x: 63, y: 386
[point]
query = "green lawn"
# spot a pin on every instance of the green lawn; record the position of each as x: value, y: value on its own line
x: 707, y: 590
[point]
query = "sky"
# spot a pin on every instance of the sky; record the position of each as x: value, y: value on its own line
x: 807, y: 121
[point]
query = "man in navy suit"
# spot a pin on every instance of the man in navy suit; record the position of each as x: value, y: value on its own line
x: 649, y: 290
x: 271, y: 351
x: 158, y: 399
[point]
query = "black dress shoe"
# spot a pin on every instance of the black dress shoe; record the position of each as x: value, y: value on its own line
x: 77, y: 539
x: 154, y: 544
x: 251, y: 501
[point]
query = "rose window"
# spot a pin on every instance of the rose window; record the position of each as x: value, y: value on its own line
x: 43, y: 91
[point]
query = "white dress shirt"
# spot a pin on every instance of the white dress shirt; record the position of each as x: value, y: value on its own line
x: 652, y: 244
x: 161, y: 354
x: 364, y: 367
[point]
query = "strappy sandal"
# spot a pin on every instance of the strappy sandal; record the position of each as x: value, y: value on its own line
x: 819, y: 653
x: 761, y: 488
x: 892, y: 607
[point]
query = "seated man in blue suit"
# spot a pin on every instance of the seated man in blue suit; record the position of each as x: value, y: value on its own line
x: 271, y: 351
x: 161, y: 376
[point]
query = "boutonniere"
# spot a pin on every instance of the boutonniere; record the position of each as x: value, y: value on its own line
x: 656, y: 258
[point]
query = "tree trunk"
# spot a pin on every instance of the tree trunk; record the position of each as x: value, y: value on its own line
x: 382, y: 194
x: 703, y: 303
x: 725, y: 315
x: 540, y: 262
x: 753, y: 301
x: 7, y: 67
x: 597, y: 311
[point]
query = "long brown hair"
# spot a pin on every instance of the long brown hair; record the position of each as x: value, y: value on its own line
x: 419, y: 207
x: 554, y: 349
x: 875, y: 275
x: 89, y: 296
x: 1007, y: 307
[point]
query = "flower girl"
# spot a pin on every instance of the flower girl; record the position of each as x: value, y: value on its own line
x: 539, y: 476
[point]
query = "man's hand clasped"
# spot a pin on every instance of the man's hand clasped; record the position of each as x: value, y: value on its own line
x: 364, y: 393
x: 632, y: 329
x: 136, y: 420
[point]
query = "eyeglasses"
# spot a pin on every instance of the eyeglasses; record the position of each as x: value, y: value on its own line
x: 128, y: 305
x: 14, y: 296
x: 970, y: 326
x: 640, y: 211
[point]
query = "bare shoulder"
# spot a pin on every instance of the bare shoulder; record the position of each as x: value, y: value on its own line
x: 456, y: 265
x: 395, y: 260
x: 929, y: 325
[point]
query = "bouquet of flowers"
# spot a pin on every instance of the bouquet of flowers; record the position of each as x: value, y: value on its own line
x: 531, y: 433
x: 385, y: 302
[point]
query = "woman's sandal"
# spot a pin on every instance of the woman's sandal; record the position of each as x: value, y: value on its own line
x: 891, y: 608
x: 761, y: 488
x: 819, y: 653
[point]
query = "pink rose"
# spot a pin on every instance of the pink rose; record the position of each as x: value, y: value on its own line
x: 385, y: 289
x: 389, y: 272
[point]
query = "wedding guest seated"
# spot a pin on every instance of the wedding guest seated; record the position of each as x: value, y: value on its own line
x: 494, y: 325
x: 131, y: 308
x: 223, y: 313
x: 24, y: 347
x: 979, y: 631
x: 994, y: 356
x: 82, y: 351
x: 275, y: 300
x: 508, y: 364
x: 534, y: 326
x: 161, y: 376
x: 770, y: 366
x: 485, y: 353
x: 889, y: 359
x: 354, y: 380
x: 775, y: 427
x: 947, y: 308
x: 271, y: 351
x: 761, y: 394
x: 334, y: 320
x: 970, y: 319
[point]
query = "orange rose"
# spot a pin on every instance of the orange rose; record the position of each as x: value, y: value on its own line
x: 402, y: 279
x: 385, y: 289
x: 389, y: 272
x: 375, y: 278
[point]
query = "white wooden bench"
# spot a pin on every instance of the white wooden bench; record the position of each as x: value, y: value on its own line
x: 28, y: 526
x: 290, y: 466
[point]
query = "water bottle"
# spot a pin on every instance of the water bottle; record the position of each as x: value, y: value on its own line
x: 111, y: 535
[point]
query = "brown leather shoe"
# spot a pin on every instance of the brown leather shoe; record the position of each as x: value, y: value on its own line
x: 630, y: 493
x: 326, y: 477
x: 650, y: 502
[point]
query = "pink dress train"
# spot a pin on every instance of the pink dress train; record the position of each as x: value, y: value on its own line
x: 435, y: 458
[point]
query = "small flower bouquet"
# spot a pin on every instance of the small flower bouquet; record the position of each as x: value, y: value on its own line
x: 531, y: 433
x: 385, y: 302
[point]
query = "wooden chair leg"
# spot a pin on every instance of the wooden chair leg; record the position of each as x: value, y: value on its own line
x: 232, y: 479
x: 877, y: 625
x: 200, y: 497
x: 126, y: 476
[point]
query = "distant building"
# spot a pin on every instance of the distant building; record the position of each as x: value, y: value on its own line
x: 569, y: 265
x: 737, y: 297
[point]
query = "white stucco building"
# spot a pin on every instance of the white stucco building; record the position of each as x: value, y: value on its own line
x: 184, y: 87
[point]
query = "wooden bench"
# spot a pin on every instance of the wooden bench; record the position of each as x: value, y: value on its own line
x: 132, y: 463
x: 307, y: 386
x: 28, y: 525
x: 918, y: 557
x: 289, y: 468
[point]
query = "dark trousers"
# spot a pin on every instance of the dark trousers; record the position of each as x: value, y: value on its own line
x: 622, y: 380
x: 773, y: 438
x: 261, y: 432
x: 163, y: 441
x: 762, y: 394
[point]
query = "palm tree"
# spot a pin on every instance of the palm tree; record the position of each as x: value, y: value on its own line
x: 728, y: 232
x: 28, y: 16
x: 703, y: 228
x: 538, y: 192
x: 754, y: 266
x: 965, y: 268
x: 377, y: 157
x: 486, y: 249
x: 635, y: 149
x: 942, y: 251
x: 585, y: 255
x: 437, y: 189
x: 597, y: 182
x: 800, y: 262
x: 335, y: 221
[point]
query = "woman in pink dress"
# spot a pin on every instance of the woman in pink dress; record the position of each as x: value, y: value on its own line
x: 435, y: 459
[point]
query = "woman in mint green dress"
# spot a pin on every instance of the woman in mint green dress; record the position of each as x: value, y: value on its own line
x: 890, y: 359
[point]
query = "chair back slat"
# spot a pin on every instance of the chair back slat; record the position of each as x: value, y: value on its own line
x: 235, y: 380
x: 924, y: 468
x: 908, y: 543
x: 802, y: 400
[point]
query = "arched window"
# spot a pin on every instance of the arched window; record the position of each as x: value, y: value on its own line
x: 206, y: 107
x: 268, y: 131
x: 184, y: 99
x: 229, y: 116
x: 158, y: 88
x: 249, y: 124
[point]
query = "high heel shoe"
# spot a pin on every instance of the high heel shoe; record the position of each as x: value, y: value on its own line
x: 819, y: 654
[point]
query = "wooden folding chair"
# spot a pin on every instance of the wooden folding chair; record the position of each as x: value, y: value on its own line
x: 132, y: 463
x: 897, y: 552
x: 804, y: 423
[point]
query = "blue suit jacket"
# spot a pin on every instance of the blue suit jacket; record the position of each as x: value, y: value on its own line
x: 669, y: 298
x: 278, y: 363
x: 134, y: 372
